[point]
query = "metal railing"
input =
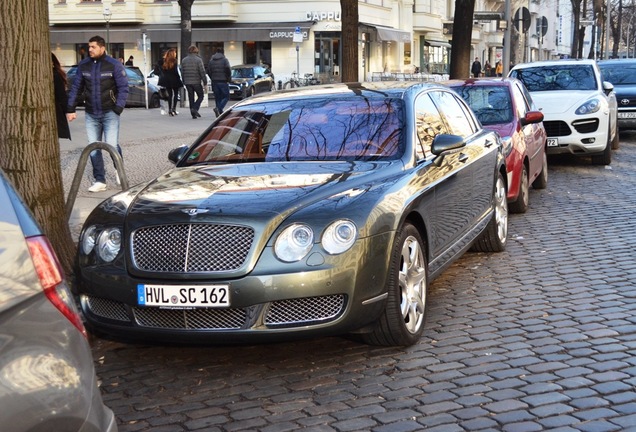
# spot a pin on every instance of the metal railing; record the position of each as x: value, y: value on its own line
x: 81, y: 167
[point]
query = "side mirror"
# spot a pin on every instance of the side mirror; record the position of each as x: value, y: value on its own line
x: 176, y: 154
x: 445, y: 142
x: 608, y: 87
x: 532, y: 117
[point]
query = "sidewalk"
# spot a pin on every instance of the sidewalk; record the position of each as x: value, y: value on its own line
x: 145, y: 136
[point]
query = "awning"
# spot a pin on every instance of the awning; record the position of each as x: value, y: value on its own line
x: 210, y: 33
x: 437, y: 43
x: 390, y: 33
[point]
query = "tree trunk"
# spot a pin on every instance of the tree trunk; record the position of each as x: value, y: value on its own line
x: 349, y: 63
x: 462, y: 33
x: 186, y: 26
x: 29, y: 146
x: 577, y: 45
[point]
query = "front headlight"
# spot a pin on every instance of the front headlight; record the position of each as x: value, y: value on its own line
x: 339, y: 237
x: 590, y: 106
x: 294, y: 243
x: 89, y: 238
x: 109, y: 244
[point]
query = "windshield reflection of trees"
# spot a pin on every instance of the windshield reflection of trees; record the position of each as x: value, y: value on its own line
x: 551, y: 78
x: 325, y: 130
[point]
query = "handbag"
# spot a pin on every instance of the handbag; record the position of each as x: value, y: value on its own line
x: 164, y: 93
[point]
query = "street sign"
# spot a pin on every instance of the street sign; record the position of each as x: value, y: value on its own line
x: 522, y: 15
x: 298, y: 36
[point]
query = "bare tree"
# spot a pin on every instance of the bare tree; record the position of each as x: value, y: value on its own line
x: 29, y: 146
x: 186, y: 25
x: 579, y: 32
x: 349, y: 63
x: 462, y: 29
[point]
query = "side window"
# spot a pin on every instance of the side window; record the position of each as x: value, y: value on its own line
x: 520, y: 102
x: 428, y: 123
x: 453, y: 113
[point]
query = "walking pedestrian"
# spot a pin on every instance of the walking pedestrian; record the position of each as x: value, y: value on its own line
x: 487, y: 69
x: 220, y: 75
x: 476, y: 68
x: 61, y: 99
x: 102, y: 81
x: 171, y: 80
x: 194, y: 79
x: 499, y: 69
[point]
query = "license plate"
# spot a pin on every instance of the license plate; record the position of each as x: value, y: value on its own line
x: 180, y: 296
x: 627, y: 115
x: 553, y: 142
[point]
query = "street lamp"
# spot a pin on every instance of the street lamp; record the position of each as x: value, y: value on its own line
x: 107, y: 16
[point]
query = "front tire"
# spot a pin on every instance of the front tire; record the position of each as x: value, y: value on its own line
x: 605, y: 158
x: 402, y: 322
x: 521, y: 204
x: 541, y: 182
x: 616, y: 141
x: 495, y: 236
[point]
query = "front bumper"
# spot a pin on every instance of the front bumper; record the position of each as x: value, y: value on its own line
x: 577, y: 136
x: 342, y: 294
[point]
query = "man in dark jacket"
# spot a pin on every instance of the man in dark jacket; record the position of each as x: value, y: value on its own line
x: 193, y: 74
x: 220, y: 75
x: 476, y: 68
x: 103, y: 81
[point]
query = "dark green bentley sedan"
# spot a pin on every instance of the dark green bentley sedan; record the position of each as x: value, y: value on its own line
x: 318, y: 211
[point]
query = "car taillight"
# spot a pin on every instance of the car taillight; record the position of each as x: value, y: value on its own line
x: 50, y: 274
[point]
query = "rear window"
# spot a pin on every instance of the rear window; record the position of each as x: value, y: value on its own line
x: 346, y: 129
x: 557, y: 77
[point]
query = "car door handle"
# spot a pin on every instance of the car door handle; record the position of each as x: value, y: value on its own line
x: 463, y: 158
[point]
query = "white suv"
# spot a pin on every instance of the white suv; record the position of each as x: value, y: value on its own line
x: 580, y: 112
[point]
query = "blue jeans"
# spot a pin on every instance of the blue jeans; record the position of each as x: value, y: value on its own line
x: 107, y: 126
x: 221, y: 92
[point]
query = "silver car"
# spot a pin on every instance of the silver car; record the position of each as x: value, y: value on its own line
x: 47, y: 378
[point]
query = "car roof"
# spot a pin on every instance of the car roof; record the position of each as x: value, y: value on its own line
x: 501, y: 81
x: 368, y: 89
x: 555, y: 63
x: 241, y: 66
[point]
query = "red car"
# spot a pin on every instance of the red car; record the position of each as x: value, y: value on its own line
x: 505, y: 106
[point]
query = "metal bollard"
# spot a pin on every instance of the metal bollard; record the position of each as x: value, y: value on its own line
x: 280, y: 85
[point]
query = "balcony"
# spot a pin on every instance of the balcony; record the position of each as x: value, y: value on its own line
x: 89, y: 11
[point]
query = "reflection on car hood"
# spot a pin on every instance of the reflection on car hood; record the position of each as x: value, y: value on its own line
x: 559, y: 102
x: 247, y: 190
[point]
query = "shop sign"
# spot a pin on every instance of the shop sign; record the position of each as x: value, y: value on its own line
x: 323, y: 16
x: 286, y: 34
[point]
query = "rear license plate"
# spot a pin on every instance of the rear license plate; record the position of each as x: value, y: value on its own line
x: 181, y: 296
x: 553, y: 142
x: 627, y: 115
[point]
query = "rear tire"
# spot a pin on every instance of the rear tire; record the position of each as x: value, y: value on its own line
x: 495, y: 236
x: 521, y: 204
x: 402, y: 322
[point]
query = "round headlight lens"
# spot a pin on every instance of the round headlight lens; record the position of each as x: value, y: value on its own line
x: 89, y: 237
x: 109, y: 244
x: 294, y: 243
x: 589, y: 107
x: 339, y: 237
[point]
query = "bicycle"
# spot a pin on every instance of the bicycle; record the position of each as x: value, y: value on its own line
x: 295, y: 81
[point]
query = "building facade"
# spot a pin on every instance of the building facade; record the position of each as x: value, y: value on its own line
x: 288, y: 35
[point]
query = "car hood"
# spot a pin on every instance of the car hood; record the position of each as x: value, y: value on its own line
x: 244, y: 193
x: 628, y: 90
x: 560, y: 102
x: 503, y: 129
x: 241, y: 80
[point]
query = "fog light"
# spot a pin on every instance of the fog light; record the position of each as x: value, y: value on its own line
x: 588, y: 140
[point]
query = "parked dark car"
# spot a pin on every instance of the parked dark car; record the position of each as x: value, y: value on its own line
x: 316, y: 211
x: 248, y: 80
x: 48, y: 380
x: 136, y: 88
x: 505, y: 106
x: 622, y: 74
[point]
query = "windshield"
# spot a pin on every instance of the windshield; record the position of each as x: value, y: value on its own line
x: 619, y: 74
x: 346, y: 129
x: 491, y: 104
x: 243, y: 73
x: 557, y: 77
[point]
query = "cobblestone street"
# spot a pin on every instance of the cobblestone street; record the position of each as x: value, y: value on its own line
x: 539, y: 337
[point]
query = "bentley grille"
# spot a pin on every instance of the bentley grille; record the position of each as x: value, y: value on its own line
x: 191, y: 248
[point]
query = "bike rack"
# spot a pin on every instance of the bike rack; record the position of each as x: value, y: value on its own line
x: 77, y: 180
